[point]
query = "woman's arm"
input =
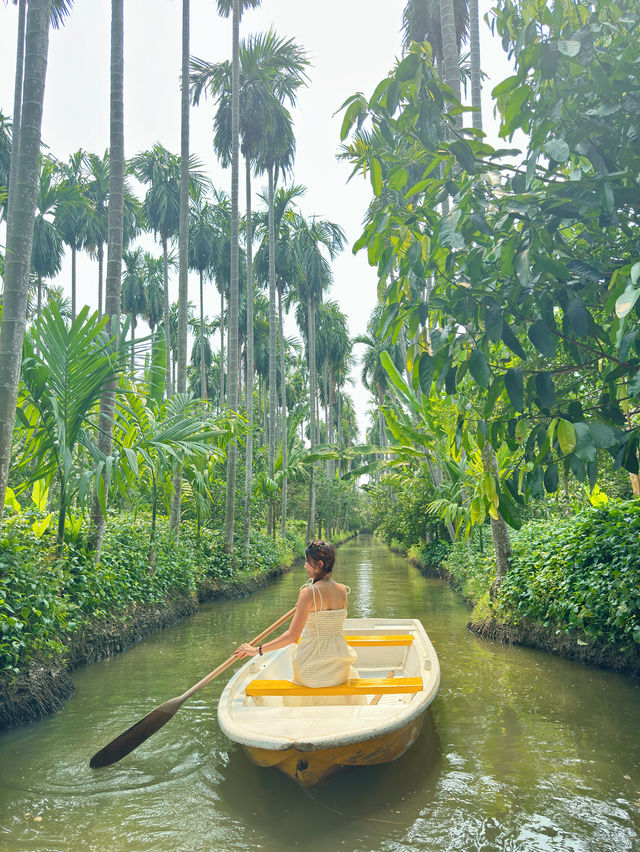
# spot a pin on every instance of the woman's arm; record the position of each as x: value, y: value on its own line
x: 303, y: 608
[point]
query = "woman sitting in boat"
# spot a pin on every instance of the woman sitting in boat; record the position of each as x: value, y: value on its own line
x: 322, y: 657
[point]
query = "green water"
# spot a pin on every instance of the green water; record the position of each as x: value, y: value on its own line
x: 520, y: 750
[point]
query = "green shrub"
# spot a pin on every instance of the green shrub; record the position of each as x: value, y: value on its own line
x: 44, y: 599
x: 579, y: 574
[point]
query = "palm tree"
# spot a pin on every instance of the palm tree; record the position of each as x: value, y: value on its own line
x: 97, y: 193
x: 58, y: 11
x: 20, y: 227
x: 314, y: 239
x: 203, y: 245
x: 283, y: 220
x: 79, y: 362
x: 476, y: 75
x: 115, y: 230
x: 47, y: 249
x: 421, y: 21
x: 72, y: 214
x: 160, y: 169
x: 153, y: 277
x: 271, y: 70
x: 235, y: 8
x: 133, y: 291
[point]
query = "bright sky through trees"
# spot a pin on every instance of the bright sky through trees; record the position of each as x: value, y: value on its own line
x: 352, y: 45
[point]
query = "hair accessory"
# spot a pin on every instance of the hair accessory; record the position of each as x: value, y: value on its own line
x: 260, y: 649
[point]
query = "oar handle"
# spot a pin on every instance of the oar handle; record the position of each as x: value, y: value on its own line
x: 233, y: 659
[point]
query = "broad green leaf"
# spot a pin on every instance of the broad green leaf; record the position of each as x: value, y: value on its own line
x: 11, y: 501
x: 398, y: 178
x: 569, y: 47
x: 407, y: 69
x: 40, y: 494
x: 515, y: 388
x: 40, y: 527
x: 510, y: 340
x: 425, y: 373
x: 557, y: 149
x: 545, y: 389
x: 585, y: 446
x: 551, y: 478
x: 578, y: 317
x: 509, y: 509
x: 625, y: 302
x: 376, y: 175
x: 479, y: 368
x: 522, y: 267
x: 493, y: 322
x: 605, y: 437
x: 566, y: 436
x: 634, y: 384
x: 542, y: 338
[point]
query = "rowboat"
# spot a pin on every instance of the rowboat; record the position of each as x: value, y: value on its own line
x: 399, y: 675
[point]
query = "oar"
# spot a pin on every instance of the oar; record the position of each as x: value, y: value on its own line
x: 153, y: 721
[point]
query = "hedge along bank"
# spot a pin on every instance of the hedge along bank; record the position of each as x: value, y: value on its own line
x: 573, y: 587
x: 59, y: 613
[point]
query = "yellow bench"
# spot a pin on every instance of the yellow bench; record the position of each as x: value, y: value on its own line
x: 357, y: 686
x: 377, y: 641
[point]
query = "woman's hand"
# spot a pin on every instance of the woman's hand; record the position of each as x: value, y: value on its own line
x: 245, y: 650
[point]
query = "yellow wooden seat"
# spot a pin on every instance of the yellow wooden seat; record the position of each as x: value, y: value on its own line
x: 372, y: 640
x: 357, y: 686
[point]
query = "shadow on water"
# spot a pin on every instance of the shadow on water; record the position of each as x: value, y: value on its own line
x: 379, y: 799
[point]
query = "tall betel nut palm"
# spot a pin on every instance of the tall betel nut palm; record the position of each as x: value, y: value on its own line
x: 115, y: 229
x: 20, y: 225
x: 235, y: 8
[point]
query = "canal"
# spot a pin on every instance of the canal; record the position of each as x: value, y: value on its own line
x: 520, y: 750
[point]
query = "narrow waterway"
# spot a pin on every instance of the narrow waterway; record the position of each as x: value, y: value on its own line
x: 520, y: 750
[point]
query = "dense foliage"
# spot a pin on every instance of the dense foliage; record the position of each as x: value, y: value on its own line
x: 45, y: 598
x: 511, y: 278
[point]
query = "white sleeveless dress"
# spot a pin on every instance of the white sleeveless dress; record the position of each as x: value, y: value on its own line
x: 322, y: 656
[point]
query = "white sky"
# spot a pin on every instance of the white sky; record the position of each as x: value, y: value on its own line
x: 352, y: 45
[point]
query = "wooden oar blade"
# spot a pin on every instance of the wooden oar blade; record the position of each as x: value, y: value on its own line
x: 136, y: 734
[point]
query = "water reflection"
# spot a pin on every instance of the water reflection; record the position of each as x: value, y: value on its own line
x: 520, y: 751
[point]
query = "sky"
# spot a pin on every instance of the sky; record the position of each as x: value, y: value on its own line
x: 352, y: 45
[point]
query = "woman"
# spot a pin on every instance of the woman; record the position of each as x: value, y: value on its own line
x: 322, y: 657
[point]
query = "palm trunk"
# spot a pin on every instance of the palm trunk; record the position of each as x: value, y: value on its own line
x: 203, y: 372
x: 221, y: 389
x: 248, y: 486
x: 273, y: 386
x: 17, y: 109
x: 39, y: 308
x: 285, y: 447
x: 100, y: 276
x: 73, y: 282
x: 20, y: 237
x: 114, y: 241
x: 133, y: 337
x: 450, y: 50
x: 165, y: 314
x: 313, y: 394
x: 229, y: 518
x: 474, y: 49
x: 183, y: 249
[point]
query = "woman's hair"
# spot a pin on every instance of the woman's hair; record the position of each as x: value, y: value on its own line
x: 318, y: 550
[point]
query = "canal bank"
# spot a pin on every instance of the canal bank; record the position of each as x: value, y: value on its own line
x: 45, y: 685
x: 575, y: 645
